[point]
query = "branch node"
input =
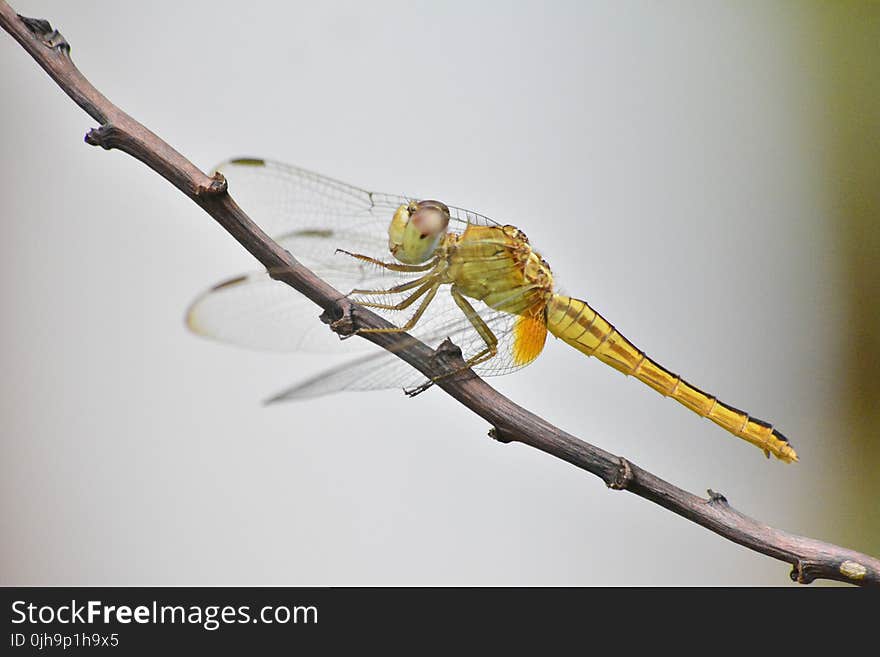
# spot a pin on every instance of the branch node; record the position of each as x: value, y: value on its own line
x: 499, y: 434
x: 340, y: 319
x: 622, y: 476
x: 448, y: 353
x: 447, y: 358
x: 103, y: 136
x: 717, y: 498
x: 216, y: 187
x: 800, y: 572
x: 42, y: 29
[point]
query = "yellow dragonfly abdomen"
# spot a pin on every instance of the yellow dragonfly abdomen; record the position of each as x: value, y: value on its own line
x: 574, y: 322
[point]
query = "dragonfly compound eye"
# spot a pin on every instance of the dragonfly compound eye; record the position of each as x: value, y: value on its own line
x: 416, y: 231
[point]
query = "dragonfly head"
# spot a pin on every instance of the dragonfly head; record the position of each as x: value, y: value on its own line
x: 417, y: 230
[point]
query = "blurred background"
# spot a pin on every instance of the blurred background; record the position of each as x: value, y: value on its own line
x: 705, y: 174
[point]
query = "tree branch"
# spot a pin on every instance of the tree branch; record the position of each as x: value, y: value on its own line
x: 811, y: 559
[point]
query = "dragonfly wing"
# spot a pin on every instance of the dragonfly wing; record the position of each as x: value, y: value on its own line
x: 291, y: 202
x: 314, y: 216
x: 384, y: 369
x: 311, y: 216
x: 256, y: 311
x: 377, y: 371
x: 520, y: 339
x: 253, y: 310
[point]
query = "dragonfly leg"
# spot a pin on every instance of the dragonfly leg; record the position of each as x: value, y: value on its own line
x: 481, y: 327
x: 429, y: 289
x: 403, y: 287
x: 481, y: 357
x: 406, y: 303
x: 392, y: 266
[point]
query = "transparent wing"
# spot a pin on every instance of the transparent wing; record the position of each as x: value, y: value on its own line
x: 383, y: 369
x: 313, y: 217
x: 376, y: 371
x: 257, y: 312
x: 308, y: 211
x: 309, y: 214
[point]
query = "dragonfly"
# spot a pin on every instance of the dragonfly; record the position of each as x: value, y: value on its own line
x: 433, y: 270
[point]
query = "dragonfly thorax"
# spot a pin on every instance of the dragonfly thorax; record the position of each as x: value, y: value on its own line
x: 416, y: 230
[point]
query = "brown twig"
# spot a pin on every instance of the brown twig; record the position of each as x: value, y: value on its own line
x: 811, y: 559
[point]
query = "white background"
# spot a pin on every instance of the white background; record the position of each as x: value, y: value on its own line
x: 670, y: 162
